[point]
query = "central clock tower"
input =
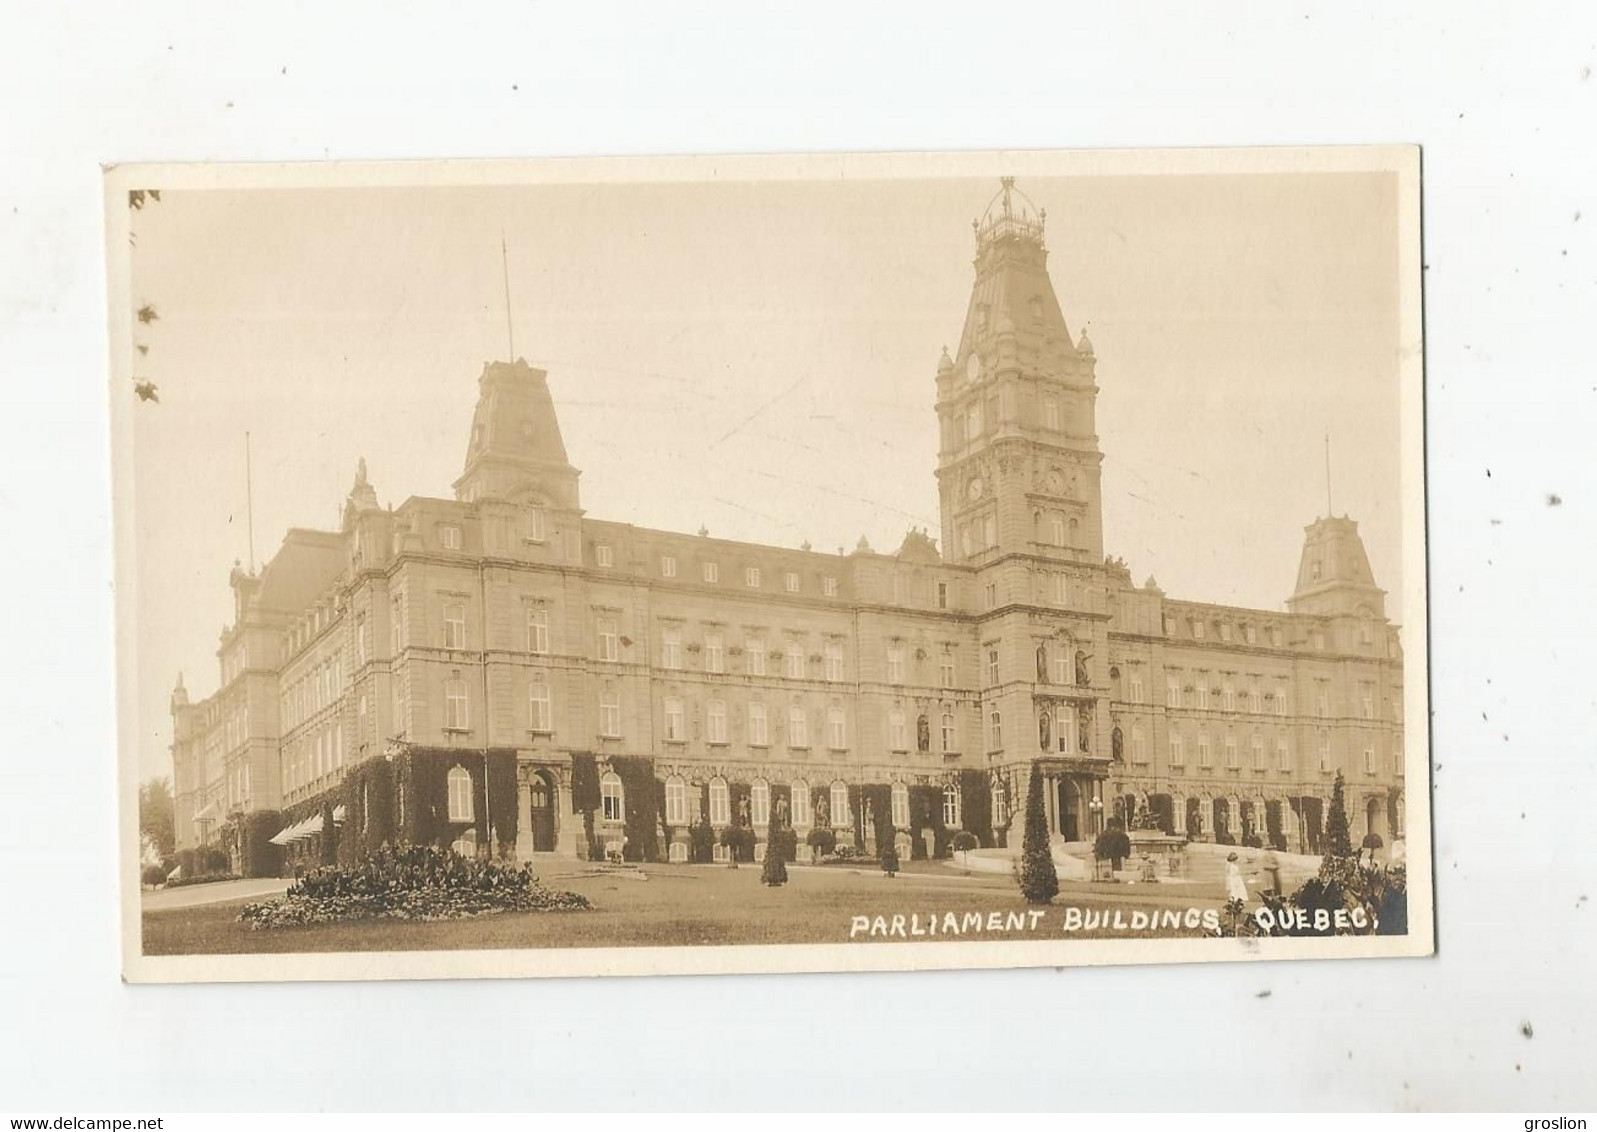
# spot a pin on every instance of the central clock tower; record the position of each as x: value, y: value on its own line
x: 1018, y: 464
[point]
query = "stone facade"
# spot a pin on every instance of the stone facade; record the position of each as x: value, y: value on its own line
x: 755, y: 677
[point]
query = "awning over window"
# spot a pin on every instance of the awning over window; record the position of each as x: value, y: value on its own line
x: 300, y: 830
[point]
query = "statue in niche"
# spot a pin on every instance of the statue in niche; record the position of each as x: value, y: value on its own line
x: 1045, y: 729
x: 1084, y: 716
x: 1042, y: 662
x: 743, y: 811
x: 1117, y: 745
x: 823, y: 813
x: 781, y: 813
x: 1083, y: 678
x: 923, y: 734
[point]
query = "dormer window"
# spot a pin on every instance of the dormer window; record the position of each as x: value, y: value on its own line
x: 450, y: 537
x: 539, y: 524
x: 604, y: 555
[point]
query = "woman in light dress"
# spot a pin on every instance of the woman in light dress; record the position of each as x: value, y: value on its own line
x: 1235, y: 887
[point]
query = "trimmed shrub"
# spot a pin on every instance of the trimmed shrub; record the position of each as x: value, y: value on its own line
x: 1372, y: 841
x: 258, y: 857
x: 775, y: 871
x: 208, y: 878
x: 1252, y: 840
x: 739, y: 842
x: 1112, y: 845
x: 642, y: 817
x: 1039, y: 882
x: 886, y: 847
x: 964, y: 841
x: 152, y: 874
x: 210, y: 861
x: 701, y: 834
x: 822, y: 840
x: 410, y: 882
x: 1338, y: 842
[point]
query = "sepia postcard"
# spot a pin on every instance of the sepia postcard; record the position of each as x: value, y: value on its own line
x: 769, y: 564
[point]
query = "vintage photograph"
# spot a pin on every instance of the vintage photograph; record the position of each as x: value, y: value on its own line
x: 843, y: 562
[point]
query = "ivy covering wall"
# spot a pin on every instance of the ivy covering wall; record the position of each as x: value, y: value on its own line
x: 976, y: 805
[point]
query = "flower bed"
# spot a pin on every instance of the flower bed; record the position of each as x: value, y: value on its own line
x: 208, y: 878
x: 411, y: 882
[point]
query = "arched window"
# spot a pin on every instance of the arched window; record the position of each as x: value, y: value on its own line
x: 801, y: 803
x: 612, y: 797
x: 900, y: 806
x: 841, y: 814
x: 951, y: 814
x: 676, y: 801
x: 460, y: 808
x: 1000, y: 801
x: 720, y: 802
x: 760, y: 802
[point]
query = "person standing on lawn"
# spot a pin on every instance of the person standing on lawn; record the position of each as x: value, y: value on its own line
x: 1235, y: 887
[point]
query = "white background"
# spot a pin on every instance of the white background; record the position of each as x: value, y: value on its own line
x: 1504, y: 100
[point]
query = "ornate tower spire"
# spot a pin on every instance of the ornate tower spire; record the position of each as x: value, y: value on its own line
x: 1018, y: 465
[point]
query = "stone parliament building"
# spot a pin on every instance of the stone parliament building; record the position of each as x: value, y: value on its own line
x: 499, y: 669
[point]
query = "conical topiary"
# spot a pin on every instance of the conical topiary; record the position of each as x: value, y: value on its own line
x: 1338, y: 842
x: 886, y: 838
x: 1039, y: 883
x: 775, y: 871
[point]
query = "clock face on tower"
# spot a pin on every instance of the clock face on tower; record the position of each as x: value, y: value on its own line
x: 975, y: 488
x: 973, y: 367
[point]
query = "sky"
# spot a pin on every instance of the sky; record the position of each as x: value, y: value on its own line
x: 753, y: 357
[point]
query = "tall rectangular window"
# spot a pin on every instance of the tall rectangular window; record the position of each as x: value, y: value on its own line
x: 1228, y: 694
x: 895, y: 664
x: 759, y: 735
x: 675, y: 726
x: 1172, y: 692
x: 948, y: 731
x: 790, y: 582
x: 715, y: 722
x: 714, y: 653
x: 1367, y: 701
x: 834, y: 661
x: 454, y: 625
x: 671, y: 648
x: 450, y: 537
x: 1139, y: 745
x: 946, y: 668
x: 798, y: 727
x: 1325, y: 751
x: 1283, y: 755
x: 538, y: 524
x: 537, y: 628
x: 396, y: 622
x: 609, y: 639
x: 712, y: 572
x: 1134, y: 687
x: 897, y: 731
x: 754, y: 656
x: 540, y: 716
x: 992, y: 667
x: 1231, y: 752
x: 793, y: 661
x: 668, y: 566
x: 1050, y: 414
x: 1258, y: 753
x: 676, y: 801
x: 603, y: 555
x: 456, y: 712
x: 829, y: 587
x: 1369, y: 760
x: 610, y: 715
x: 1178, y: 755
x: 751, y: 577
x: 995, y: 731
x: 836, y: 729
x: 1205, y: 756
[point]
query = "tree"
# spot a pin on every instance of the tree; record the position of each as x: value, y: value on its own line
x: 775, y: 871
x: 156, y: 816
x: 1039, y: 883
x: 1113, y: 846
x: 886, y: 840
x: 1338, y: 842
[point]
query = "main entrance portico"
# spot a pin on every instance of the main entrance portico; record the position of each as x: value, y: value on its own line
x: 1073, y: 796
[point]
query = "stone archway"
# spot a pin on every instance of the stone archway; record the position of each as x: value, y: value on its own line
x: 542, y: 798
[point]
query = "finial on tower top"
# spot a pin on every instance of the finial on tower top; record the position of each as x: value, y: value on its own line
x: 1011, y: 216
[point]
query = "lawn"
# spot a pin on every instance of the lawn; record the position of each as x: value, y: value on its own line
x: 685, y: 905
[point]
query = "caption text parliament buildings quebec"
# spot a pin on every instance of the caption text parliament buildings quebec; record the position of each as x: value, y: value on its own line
x: 500, y: 668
